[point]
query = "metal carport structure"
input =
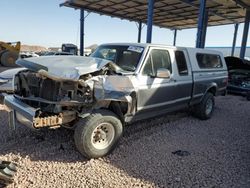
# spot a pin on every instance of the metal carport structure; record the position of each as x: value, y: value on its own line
x: 173, y: 14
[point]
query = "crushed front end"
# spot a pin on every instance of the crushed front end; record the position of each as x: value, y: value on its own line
x: 39, y: 101
x: 64, y: 90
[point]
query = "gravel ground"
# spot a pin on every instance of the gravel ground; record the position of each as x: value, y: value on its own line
x: 218, y: 153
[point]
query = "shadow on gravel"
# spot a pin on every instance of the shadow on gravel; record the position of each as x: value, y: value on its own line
x: 143, y: 152
x: 181, y: 151
x: 43, y: 145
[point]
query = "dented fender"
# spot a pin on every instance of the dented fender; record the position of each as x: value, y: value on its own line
x: 112, y: 88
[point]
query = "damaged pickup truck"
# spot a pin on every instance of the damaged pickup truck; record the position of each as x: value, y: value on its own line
x: 120, y: 83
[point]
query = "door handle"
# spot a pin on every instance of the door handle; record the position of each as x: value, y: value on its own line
x: 173, y: 80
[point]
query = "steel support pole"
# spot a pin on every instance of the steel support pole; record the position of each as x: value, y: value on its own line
x: 201, y: 20
x: 150, y: 20
x: 204, y: 30
x: 245, y: 35
x: 139, y: 32
x: 175, y: 35
x: 82, y: 32
x: 236, y: 26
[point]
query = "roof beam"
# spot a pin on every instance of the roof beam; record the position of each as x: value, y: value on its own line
x: 242, y: 4
x: 193, y: 23
x: 180, y: 18
x: 188, y: 2
x: 165, y: 12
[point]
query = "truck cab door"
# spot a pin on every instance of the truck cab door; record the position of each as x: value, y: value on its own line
x: 183, y: 76
x: 156, y: 83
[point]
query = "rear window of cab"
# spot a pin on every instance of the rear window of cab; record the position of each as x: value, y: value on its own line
x: 208, y: 61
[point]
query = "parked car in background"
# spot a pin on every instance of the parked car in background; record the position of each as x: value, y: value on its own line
x: 70, y: 48
x: 239, y: 76
x: 28, y: 54
x: 6, y: 77
x: 57, y: 53
x: 120, y: 83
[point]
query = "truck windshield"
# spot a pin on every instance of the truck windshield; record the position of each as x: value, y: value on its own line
x: 126, y: 57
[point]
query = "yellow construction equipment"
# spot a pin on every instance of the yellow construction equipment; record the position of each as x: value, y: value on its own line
x: 9, y: 52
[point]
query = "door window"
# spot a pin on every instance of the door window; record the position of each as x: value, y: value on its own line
x: 181, y: 63
x: 157, y: 59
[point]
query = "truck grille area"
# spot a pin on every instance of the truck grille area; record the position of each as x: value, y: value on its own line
x: 40, y: 91
x: 28, y: 84
x: 49, y: 90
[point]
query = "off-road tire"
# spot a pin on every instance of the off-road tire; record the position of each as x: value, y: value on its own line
x: 85, y: 128
x: 201, y: 110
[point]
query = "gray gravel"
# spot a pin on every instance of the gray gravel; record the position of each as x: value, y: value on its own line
x: 218, y: 153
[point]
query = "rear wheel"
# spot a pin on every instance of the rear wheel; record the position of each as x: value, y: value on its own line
x: 8, y: 59
x: 205, y: 108
x: 98, y: 134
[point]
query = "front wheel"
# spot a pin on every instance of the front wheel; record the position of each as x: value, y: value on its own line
x: 205, y: 108
x: 97, y: 135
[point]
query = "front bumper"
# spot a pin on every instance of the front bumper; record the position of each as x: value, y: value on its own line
x: 29, y: 116
x: 20, y: 112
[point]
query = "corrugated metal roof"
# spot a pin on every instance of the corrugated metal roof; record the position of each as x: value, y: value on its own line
x: 172, y: 14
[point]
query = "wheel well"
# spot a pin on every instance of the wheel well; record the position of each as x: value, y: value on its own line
x: 212, y: 90
x: 116, y: 107
x: 120, y: 108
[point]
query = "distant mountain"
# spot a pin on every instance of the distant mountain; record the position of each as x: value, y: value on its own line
x: 31, y: 48
x: 92, y: 47
x: 34, y: 48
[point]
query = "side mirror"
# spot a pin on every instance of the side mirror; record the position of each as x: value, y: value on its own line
x: 163, y: 73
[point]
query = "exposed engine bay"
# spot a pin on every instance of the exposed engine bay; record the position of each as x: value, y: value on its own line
x: 240, y: 78
x: 39, y: 89
x: 239, y: 75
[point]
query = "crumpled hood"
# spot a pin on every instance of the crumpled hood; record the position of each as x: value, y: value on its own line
x: 64, y: 67
x: 237, y: 63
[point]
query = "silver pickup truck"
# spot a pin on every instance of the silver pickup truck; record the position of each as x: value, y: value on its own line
x: 118, y: 84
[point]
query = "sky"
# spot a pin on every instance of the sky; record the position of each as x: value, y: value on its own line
x: 44, y: 23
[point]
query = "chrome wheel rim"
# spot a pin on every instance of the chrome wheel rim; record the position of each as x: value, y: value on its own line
x: 103, y: 135
x: 209, y: 106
